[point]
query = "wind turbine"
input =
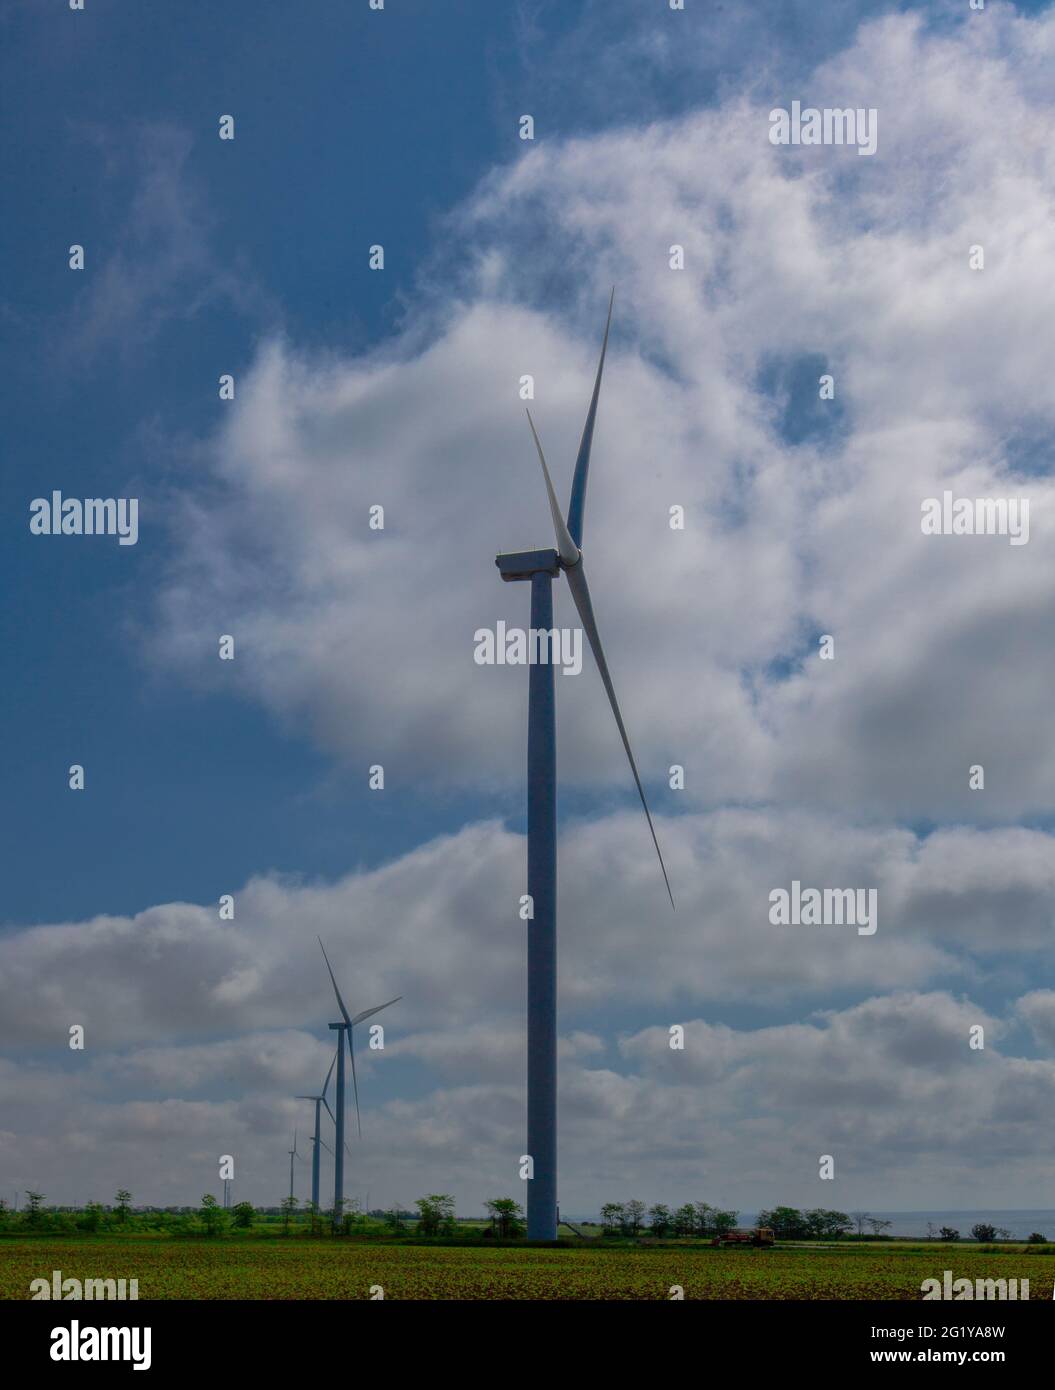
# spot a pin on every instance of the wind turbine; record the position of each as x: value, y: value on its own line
x: 292, y: 1155
x: 320, y: 1101
x: 541, y: 567
x: 344, y: 1030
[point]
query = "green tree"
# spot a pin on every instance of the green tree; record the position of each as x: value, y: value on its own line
x: 124, y: 1205
x: 685, y: 1220
x: 704, y: 1214
x: 633, y: 1217
x: 243, y: 1215
x: 659, y: 1220
x: 722, y: 1221
x: 212, y: 1215
x: 787, y: 1223
x: 821, y: 1223
x: 34, y: 1215
x: 435, y: 1214
x: 289, y: 1207
x: 613, y: 1216
x: 1036, y: 1239
x: 947, y: 1233
x: 506, y: 1217
x: 91, y: 1218
x: 394, y: 1221
x: 354, y: 1218
x: 983, y: 1231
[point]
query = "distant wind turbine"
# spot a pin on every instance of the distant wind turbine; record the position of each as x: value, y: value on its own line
x: 541, y: 567
x: 292, y: 1155
x: 344, y: 1030
x: 320, y: 1101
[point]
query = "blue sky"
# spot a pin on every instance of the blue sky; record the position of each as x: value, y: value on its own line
x: 250, y: 257
x: 319, y: 163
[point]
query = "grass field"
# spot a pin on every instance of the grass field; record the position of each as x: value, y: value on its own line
x: 328, y: 1269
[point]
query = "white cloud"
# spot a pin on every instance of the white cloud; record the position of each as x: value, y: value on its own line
x: 1038, y: 1010
x: 440, y: 927
x: 890, y: 1087
x: 940, y: 374
x: 170, y: 1051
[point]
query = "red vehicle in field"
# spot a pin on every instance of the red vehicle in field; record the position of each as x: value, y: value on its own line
x: 758, y: 1235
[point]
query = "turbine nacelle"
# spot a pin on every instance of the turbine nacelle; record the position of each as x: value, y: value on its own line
x: 344, y: 1030
x: 515, y: 565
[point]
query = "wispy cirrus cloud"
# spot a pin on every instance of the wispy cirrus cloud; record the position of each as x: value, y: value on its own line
x: 165, y: 263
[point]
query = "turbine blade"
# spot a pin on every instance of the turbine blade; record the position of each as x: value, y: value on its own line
x: 566, y: 547
x: 367, y: 1013
x: 582, y: 462
x: 326, y: 1084
x: 329, y: 1112
x: 580, y: 592
x: 326, y: 1147
x: 355, y: 1083
x: 329, y: 967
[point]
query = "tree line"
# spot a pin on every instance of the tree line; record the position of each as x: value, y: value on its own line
x: 692, y: 1219
x: 702, y: 1220
x: 210, y: 1219
x: 436, y: 1217
x: 786, y: 1223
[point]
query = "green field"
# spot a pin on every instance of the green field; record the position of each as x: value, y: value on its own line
x: 326, y: 1269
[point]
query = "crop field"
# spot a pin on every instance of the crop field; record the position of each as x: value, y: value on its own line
x: 327, y: 1269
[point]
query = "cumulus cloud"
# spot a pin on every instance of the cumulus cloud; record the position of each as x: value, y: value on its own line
x: 793, y: 255
x: 1038, y: 1011
x: 440, y: 927
x: 890, y: 1087
x: 172, y: 1049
